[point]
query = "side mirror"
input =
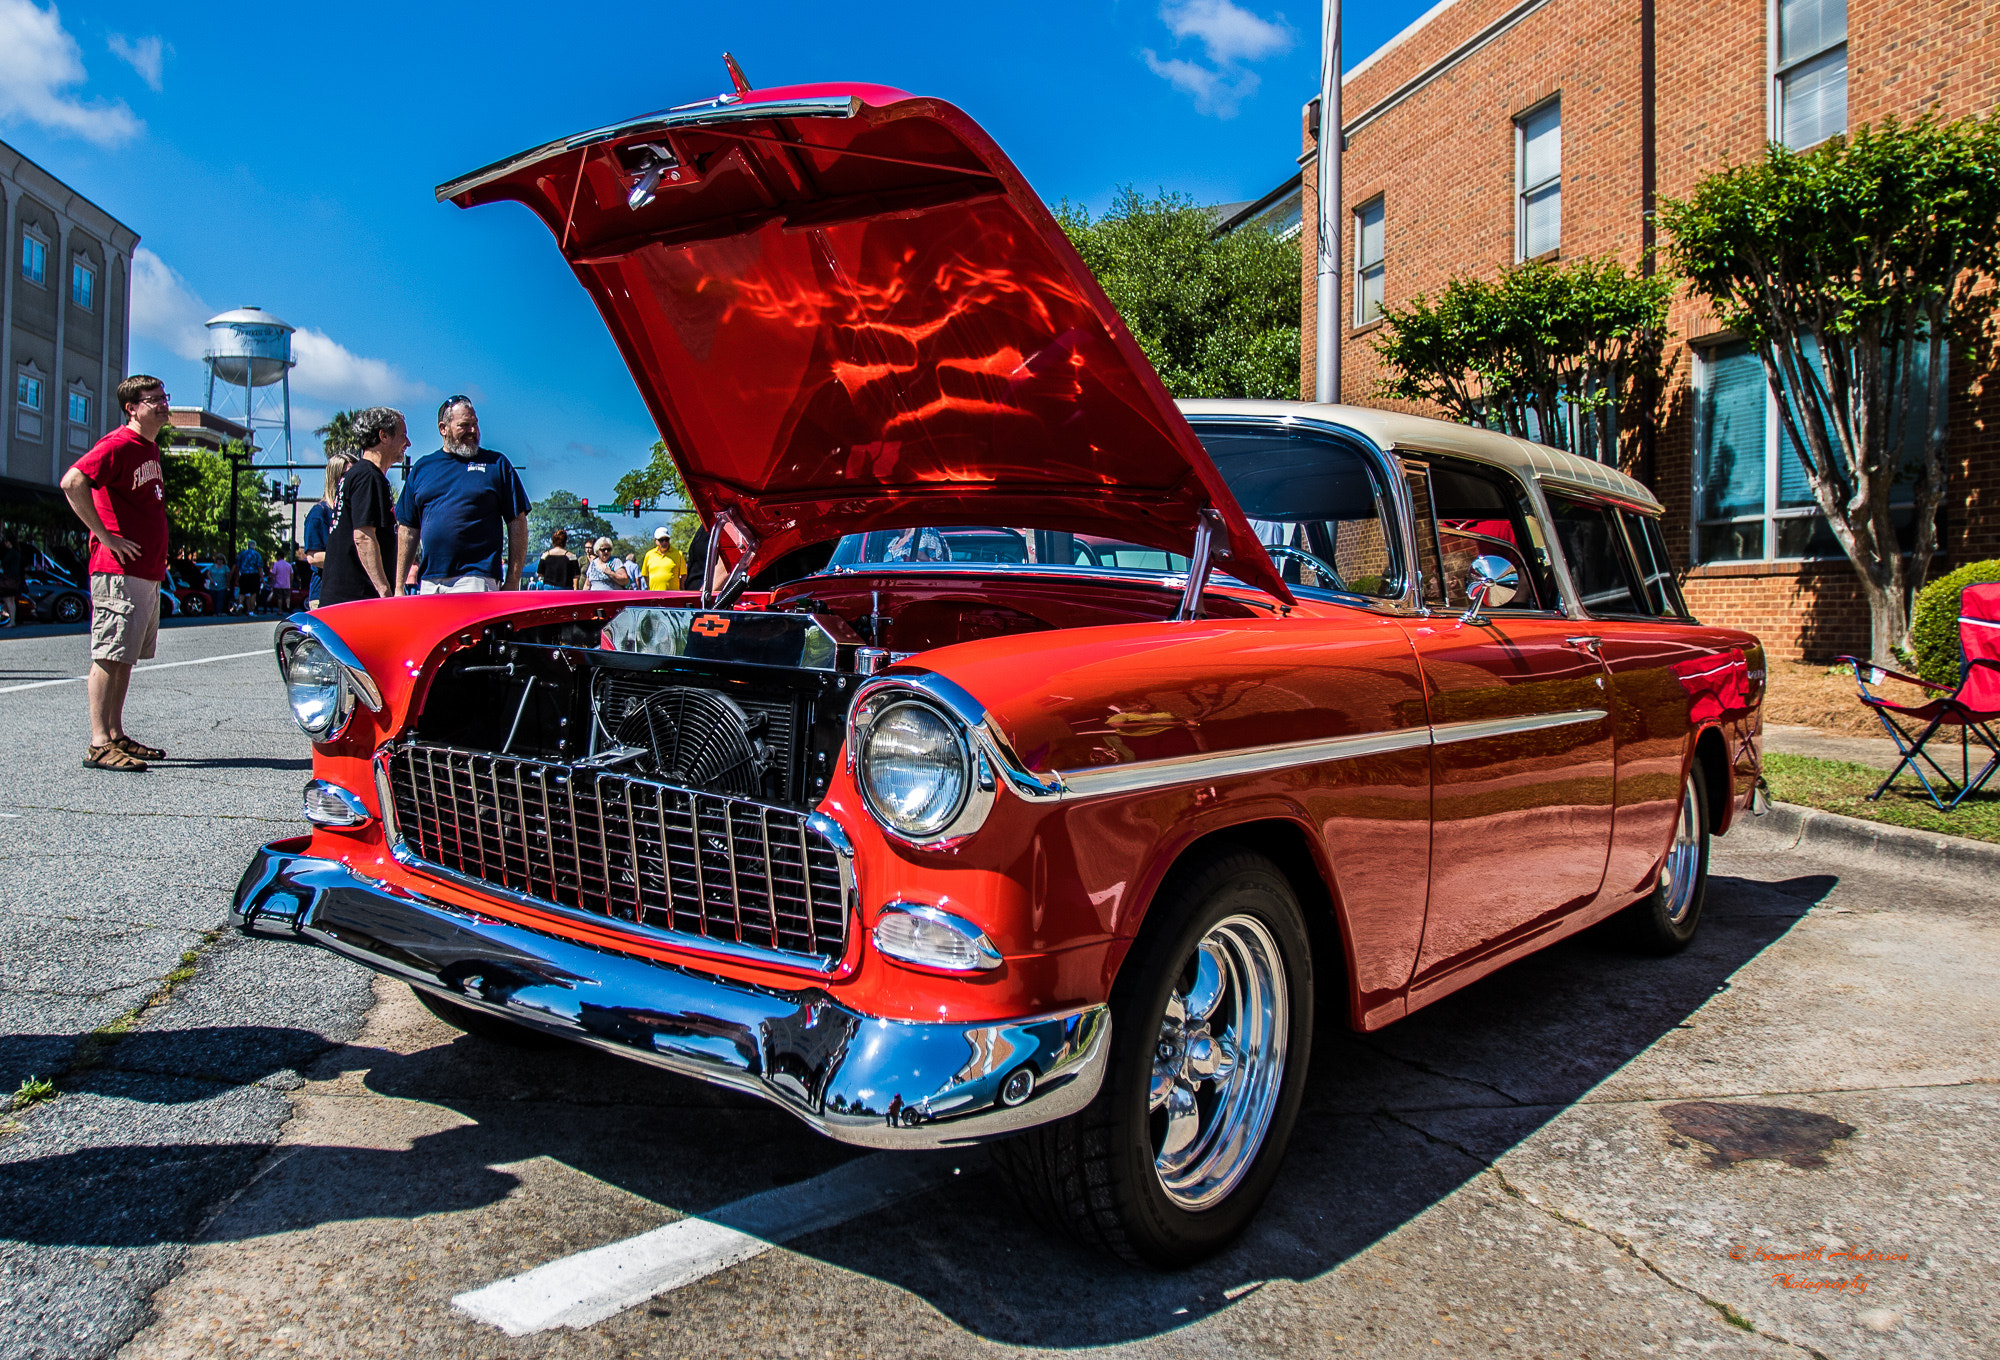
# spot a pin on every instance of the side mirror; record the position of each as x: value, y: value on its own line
x: 1491, y: 582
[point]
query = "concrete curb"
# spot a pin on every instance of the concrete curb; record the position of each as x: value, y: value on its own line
x: 1802, y: 828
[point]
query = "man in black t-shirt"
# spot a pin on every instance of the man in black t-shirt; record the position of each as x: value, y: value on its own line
x: 361, y: 539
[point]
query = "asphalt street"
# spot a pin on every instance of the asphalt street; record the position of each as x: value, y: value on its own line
x: 265, y: 1151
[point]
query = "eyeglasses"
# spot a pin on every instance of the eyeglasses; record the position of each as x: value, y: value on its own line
x: 455, y: 399
x: 159, y: 398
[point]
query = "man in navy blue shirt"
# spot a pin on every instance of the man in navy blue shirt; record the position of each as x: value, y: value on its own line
x: 463, y: 507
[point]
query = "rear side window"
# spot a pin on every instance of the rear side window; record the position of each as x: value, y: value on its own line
x: 1656, y: 572
x: 1600, y: 560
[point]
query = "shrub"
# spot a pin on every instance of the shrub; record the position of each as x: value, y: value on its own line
x: 1934, y: 621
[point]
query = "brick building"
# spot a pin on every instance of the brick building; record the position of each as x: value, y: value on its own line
x: 1496, y: 130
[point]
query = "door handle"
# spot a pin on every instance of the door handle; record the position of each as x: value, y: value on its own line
x: 1586, y: 644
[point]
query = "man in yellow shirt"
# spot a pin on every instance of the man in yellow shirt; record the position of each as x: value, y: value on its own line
x: 664, y: 566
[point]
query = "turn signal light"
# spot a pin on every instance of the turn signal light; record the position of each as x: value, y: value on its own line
x: 931, y: 938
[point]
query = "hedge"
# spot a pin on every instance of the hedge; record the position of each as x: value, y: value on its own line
x: 1934, y: 621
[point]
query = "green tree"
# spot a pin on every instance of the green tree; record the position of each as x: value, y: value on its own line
x: 337, y: 435
x: 563, y: 510
x: 1543, y: 352
x: 658, y: 484
x: 1850, y: 267
x: 1216, y: 316
x: 197, y: 488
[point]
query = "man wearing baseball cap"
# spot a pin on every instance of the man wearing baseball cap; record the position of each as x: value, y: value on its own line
x: 664, y: 566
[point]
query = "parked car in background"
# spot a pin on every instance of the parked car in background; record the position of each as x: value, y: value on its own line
x: 50, y: 596
x: 188, y: 584
x: 971, y: 836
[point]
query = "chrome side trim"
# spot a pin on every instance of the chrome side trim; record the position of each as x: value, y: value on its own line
x: 1447, y: 733
x: 1099, y: 781
x: 862, y: 1079
x: 691, y: 115
x: 317, y: 630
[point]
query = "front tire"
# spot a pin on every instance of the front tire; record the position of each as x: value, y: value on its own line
x: 1211, y: 1035
x: 1664, y: 922
x: 480, y: 1025
x: 71, y: 609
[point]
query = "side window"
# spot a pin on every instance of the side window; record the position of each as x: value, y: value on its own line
x: 1430, y: 571
x: 1600, y: 562
x: 1656, y: 573
x: 1485, y: 512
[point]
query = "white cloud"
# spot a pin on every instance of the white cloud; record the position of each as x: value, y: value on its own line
x: 1217, y: 93
x: 146, y: 56
x: 164, y: 309
x: 168, y: 312
x: 1230, y: 35
x: 326, y: 368
x: 39, y: 63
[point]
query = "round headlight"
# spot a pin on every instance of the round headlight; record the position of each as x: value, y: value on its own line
x: 316, y: 684
x: 915, y: 769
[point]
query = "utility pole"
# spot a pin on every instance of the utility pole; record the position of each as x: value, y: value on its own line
x: 1326, y: 340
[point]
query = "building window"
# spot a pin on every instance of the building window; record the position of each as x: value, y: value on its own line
x: 79, y: 419
x: 1368, y: 263
x: 1538, y: 165
x: 28, y: 403
x: 82, y: 284
x: 1756, y: 503
x: 1809, y: 94
x: 34, y: 259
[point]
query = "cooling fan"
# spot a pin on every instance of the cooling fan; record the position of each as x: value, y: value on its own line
x: 697, y: 739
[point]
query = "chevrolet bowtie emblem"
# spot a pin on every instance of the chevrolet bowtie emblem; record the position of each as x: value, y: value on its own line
x: 711, y: 625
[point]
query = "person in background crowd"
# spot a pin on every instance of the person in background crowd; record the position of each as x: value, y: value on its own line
x: 360, y: 539
x: 10, y: 578
x: 313, y: 553
x: 558, y: 568
x: 663, y: 567
x: 632, y: 577
x: 605, y: 572
x: 281, y: 585
x: 465, y: 506
x: 118, y: 492
x: 249, y: 579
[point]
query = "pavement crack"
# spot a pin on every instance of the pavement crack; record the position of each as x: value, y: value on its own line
x: 172, y: 816
x: 1430, y: 1071
x: 1618, y: 1240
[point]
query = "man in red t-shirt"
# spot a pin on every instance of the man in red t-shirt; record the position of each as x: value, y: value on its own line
x: 118, y: 492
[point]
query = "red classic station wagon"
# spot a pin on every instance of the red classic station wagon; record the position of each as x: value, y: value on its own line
x: 1223, y: 714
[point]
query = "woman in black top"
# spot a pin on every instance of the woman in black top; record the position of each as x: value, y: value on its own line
x: 558, y: 566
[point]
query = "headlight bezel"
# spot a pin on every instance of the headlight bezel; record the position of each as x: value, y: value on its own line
x: 880, y: 699
x: 353, y: 686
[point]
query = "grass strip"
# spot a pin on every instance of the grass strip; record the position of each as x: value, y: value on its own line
x: 1843, y: 787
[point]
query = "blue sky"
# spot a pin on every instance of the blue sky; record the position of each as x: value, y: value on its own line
x: 284, y: 157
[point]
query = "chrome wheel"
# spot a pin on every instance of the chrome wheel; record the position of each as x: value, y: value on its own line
x: 1219, y: 1063
x: 1681, y: 870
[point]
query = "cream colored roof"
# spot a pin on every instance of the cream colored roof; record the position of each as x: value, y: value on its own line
x: 1395, y: 430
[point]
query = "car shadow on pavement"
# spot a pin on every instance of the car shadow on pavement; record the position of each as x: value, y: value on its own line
x: 1495, y: 1061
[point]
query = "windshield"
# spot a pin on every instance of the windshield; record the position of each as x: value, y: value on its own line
x: 1316, y: 502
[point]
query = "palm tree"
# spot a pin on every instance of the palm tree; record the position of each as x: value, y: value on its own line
x: 338, y: 432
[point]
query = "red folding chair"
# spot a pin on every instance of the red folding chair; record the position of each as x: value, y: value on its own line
x: 1971, y: 708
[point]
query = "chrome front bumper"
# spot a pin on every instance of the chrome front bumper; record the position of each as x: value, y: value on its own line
x: 874, y: 1082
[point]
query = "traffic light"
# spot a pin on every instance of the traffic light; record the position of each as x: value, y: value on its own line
x: 586, y: 505
x: 635, y: 507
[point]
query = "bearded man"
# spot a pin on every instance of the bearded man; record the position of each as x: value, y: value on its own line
x: 462, y: 507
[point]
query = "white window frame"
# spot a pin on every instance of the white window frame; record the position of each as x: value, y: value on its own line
x: 1522, y: 189
x: 1365, y: 268
x: 30, y: 236
x: 79, y: 430
x: 1777, y: 70
x: 80, y: 265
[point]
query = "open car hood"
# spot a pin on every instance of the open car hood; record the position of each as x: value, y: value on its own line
x: 847, y: 310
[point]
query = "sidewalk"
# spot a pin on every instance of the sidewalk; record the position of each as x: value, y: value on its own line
x: 1878, y: 752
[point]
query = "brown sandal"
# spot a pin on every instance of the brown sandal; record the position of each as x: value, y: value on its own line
x: 139, y: 749
x: 110, y: 757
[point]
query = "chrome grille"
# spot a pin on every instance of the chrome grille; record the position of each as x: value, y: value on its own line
x: 721, y: 869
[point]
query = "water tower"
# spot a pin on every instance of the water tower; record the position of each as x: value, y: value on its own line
x: 252, y: 350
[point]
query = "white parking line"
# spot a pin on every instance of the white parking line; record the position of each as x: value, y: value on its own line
x: 596, y: 1284
x: 139, y: 670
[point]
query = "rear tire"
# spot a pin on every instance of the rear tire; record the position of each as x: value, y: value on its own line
x: 1211, y: 1035
x: 71, y: 609
x: 480, y: 1025
x: 1664, y: 922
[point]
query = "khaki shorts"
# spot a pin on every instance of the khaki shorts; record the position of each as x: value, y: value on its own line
x: 124, y: 618
x: 457, y: 585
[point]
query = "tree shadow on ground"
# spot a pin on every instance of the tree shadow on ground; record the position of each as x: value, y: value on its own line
x: 1515, y: 1050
